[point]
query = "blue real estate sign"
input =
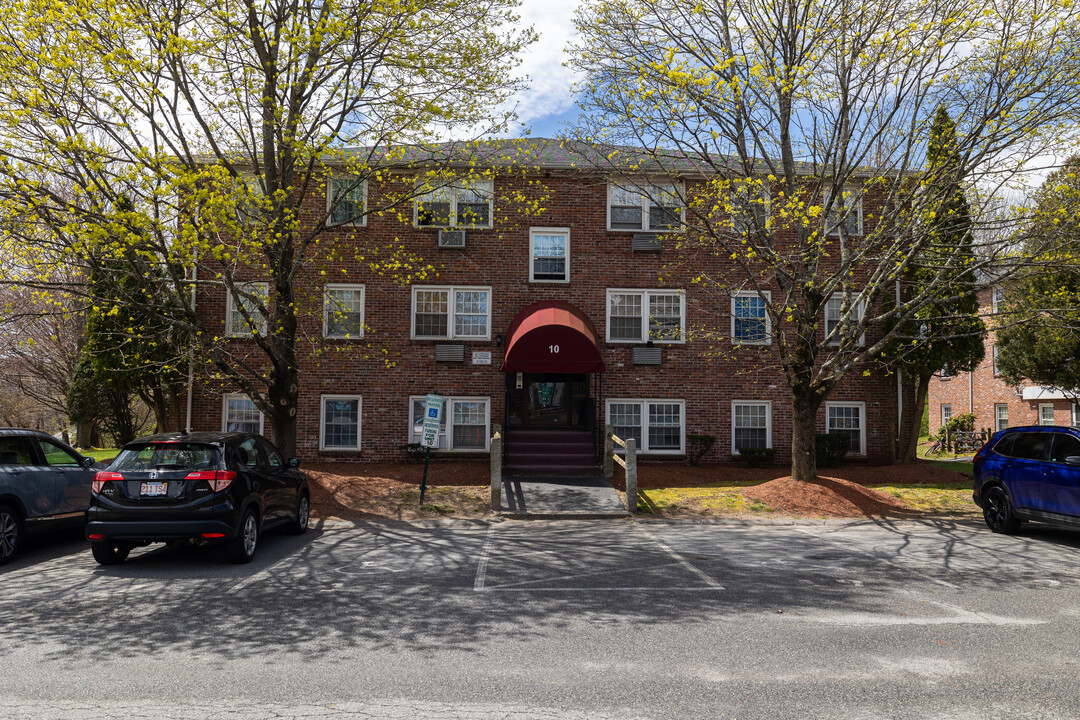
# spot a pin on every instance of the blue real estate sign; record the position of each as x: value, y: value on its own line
x: 429, y: 436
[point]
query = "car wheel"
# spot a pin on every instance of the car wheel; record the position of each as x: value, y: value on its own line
x: 998, y: 512
x: 108, y: 552
x: 10, y: 533
x: 303, y: 513
x: 241, y: 549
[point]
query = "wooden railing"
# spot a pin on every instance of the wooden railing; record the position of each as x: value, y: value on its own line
x: 629, y: 463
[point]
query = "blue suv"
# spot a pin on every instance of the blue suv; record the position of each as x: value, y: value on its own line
x: 1029, y: 473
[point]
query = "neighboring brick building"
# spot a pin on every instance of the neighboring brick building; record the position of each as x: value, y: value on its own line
x: 983, y: 392
x: 557, y: 290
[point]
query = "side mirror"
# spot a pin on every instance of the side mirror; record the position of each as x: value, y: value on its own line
x: 1073, y: 460
x: 88, y: 463
x: 295, y: 462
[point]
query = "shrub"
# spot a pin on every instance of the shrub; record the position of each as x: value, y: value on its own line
x: 831, y: 448
x: 697, y: 446
x: 957, y: 423
x: 758, y: 457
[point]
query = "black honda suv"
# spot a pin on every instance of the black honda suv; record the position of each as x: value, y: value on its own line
x: 225, y: 487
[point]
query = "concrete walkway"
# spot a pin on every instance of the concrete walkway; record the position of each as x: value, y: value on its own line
x: 533, y: 497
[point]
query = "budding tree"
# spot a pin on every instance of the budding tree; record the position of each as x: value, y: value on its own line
x: 806, y: 124
x: 222, y: 121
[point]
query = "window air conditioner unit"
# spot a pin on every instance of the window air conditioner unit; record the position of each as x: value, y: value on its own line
x: 646, y: 355
x: 449, y: 353
x: 451, y: 238
x: 645, y: 242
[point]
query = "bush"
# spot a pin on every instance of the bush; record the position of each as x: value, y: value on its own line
x: 414, y: 452
x: 758, y: 457
x: 831, y: 448
x: 957, y: 423
x: 697, y: 446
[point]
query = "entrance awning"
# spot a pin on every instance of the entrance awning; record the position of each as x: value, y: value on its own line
x: 552, y: 336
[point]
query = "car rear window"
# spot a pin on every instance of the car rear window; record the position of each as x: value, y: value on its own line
x: 166, y: 456
x: 1005, y: 444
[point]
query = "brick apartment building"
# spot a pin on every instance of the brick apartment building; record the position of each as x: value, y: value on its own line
x: 983, y: 392
x: 548, y: 316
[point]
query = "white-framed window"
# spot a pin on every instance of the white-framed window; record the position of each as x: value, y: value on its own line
x: 549, y: 255
x: 252, y: 294
x: 469, y: 420
x: 1075, y: 415
x: 997, y: 299
x: 945, y: 372
x: 642, y: 315
x: 946, y: 413
x: 239, y: 414
x: 750, y: 207
x: 834, y: 307
x: 645, y: 206
x: 751, y: 424
x: 658, y: 425
x: 750, y: 324
x: 343, y: 311
x: 250, y: 200
x: 1001, y: 416
x: 846, y: 211
x: 1046, y: 413
x: 339, y: 422
x: 346, y: 201
x: 451, y: 313
x: 994, y: 356
x: 848, y: 418
x: 465, y: 203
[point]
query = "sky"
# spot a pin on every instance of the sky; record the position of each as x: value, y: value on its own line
x: 549, y: 100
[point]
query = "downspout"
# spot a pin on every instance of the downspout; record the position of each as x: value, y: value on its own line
x: 971, y: 392
x: 191, y: 358
x: 899, y: 390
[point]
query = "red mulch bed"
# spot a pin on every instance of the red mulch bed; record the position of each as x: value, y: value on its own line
x: 830, y: 496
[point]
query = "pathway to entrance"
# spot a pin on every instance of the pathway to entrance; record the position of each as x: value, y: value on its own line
x: 534, y: 497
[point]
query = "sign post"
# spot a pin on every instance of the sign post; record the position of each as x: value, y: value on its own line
x: 429, y: 436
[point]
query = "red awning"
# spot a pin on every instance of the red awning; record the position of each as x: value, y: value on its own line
x: 552, y: 336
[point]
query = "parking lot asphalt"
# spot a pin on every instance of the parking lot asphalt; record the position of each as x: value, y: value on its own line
x: 620, y: 619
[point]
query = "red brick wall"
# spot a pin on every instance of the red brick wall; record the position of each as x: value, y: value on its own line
x: 708, y: 373
x: 981, y: 390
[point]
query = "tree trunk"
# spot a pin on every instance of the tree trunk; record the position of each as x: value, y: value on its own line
x: 161, y: 410
x: 921, y: 391
x: 84, y: 434
x: 804, y: 406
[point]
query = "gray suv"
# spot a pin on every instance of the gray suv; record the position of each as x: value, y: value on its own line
x: 44, y: 484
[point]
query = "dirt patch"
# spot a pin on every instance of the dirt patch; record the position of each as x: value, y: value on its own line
x: 353, y: 491
x: 825, y: 496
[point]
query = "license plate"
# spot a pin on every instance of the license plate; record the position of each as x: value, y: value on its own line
x: 152, y: 489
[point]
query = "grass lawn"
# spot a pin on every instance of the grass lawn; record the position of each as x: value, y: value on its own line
x: 964, y: 466
x: 945, y: 499
x: 101, y: 453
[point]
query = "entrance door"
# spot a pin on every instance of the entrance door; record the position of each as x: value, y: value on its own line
x: 549, y: 400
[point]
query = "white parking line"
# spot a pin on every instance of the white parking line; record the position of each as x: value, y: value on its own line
x: 481, y: 568
x: 685, y: 563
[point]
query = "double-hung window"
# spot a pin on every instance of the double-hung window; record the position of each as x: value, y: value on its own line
x: 997, y: 299
x: 835, y: 316
x: 1046, y: 413
x: 1075, y: 415
x: 750, y: 323
x: 994, y: 355
x: 845, y: 211
x: 658, y: 426
x: 340, y: 422
x: 946, y: 414
x: 466, y: 423
x: 848, y: 418
x: 751, y: 425
x: 1001, y: 416
x: 250, y: 199
x: 645, y: 207
x: 549, y: 257
x: 343, y: 311
x: 749, y: 207
x: 451, y: 313
x: 346, y: 200
x: 465, y: 203
x: 643, y: 315
x: 248, y: 298
x: 239, y: 414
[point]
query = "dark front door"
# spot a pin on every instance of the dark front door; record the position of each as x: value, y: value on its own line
x: 549, y: 400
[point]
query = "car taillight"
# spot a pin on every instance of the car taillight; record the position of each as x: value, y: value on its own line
x: 218, y: 479
x: 102, y: 477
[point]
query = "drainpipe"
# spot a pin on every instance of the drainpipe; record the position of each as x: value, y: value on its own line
x: 971, y: 392
x: 191, y: 358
